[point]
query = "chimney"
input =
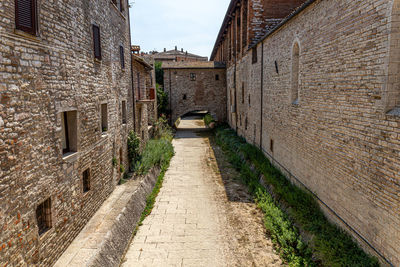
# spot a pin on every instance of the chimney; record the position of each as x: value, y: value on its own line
x: 176, y: 48
x: 165, y: 49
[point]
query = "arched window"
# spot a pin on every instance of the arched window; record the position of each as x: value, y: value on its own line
x: 295, y: 74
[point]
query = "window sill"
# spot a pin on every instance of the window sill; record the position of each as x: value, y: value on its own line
x: 296, y: 103
x: 104, y: 134
x: 117, y: 9
x: 70, y: 157
x: 27, y: 35
x: 45, y: 233
x: 96, y: 60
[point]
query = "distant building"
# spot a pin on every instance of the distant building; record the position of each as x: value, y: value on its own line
x: 174, y: 56
x: 195, y: 86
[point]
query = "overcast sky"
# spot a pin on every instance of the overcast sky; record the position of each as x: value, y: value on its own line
x: 189, y: 24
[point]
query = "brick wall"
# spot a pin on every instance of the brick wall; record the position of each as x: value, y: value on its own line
x: 205, y: 93
x: 339, y: 140
x: 40, y: 77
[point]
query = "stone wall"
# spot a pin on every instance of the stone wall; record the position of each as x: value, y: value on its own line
x: 41, y: 77
x: 339, y: 138
x: 203, y: 93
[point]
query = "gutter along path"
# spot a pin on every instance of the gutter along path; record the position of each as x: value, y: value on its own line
x: 202, y: 215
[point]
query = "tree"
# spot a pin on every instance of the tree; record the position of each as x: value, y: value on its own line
x: 159, y: 73
x: 162, y: 100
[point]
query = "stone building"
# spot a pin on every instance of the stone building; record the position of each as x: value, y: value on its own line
x: 66, y: 107
x: 193, y: 86
x: 145, y: 96
x: 316, y: 86
x: 174, y: 55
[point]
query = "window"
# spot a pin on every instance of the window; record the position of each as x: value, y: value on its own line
x: 245, y: 124
x: 249, y: 101
x: 43, y: 216
x: 192, y: 76
x: 254, y: 55
x: 217, y: 77
x: 69, y: 131
x: 184, y: 97
x: 121, y: 56
x: 86, y: 180
x: 25, y: 16
x: 96, y: 42
x: 121, y: 5
x: 271, y: 145
x: 242, y: 92
x: 123, y: 112
x: 138, y: 85
x: 276, y: 67
x: 104, y: 118
x: 295, y: 74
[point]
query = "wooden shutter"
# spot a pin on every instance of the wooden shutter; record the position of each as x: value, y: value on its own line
x: 121, y: 56
x: 25, y: 16
x: 96, y: 42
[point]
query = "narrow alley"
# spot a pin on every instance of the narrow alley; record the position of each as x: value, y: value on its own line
x: 202, y: 215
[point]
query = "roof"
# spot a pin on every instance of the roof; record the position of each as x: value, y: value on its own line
x: 172, y: 54
x: 141, y: 61
x: 225, y: 23
x: 270, y: 28
x: 285, y: 20
x: 193, y: 65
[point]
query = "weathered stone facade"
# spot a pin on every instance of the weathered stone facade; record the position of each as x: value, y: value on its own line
x: 327, y: 112
x: 145, y: 100
x: 41, y: 77
x: 195, y: 86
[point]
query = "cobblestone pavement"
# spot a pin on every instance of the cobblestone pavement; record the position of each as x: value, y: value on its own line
x: 195, y: 221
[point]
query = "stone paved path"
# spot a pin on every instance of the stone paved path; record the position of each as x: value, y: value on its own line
x: 190, y: 223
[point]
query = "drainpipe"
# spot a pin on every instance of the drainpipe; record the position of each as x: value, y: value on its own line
x: 170, y: 98
x: 133, y: 97
x: 262, y: 93
x: 130, y: 56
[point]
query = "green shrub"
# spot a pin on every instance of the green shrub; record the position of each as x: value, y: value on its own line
x: 333, y: 246
x: 133, y: 148
x: 208, y: 119
x: 162, y: 130
x: 121, y: 168
x: 114, y: 161
x: 157, y: 151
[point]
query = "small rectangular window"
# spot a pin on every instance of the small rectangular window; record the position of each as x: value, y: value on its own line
x: 86, y: 180
x: 124, y: 112
x: 25, y: 16
x: 271, y: 145
x: 192, y: 76
x: 43, y: 216
x: 184, y: 97
x: 121, y: 5
x: 69, y: 131
x: 254, y: 55
x: 96, y: 42
x: 243, y: 93
x: 104, y: 118
x: 121, y: 56
x: 217, y: 77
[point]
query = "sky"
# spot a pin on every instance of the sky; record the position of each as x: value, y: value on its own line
x: 189, y: 24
